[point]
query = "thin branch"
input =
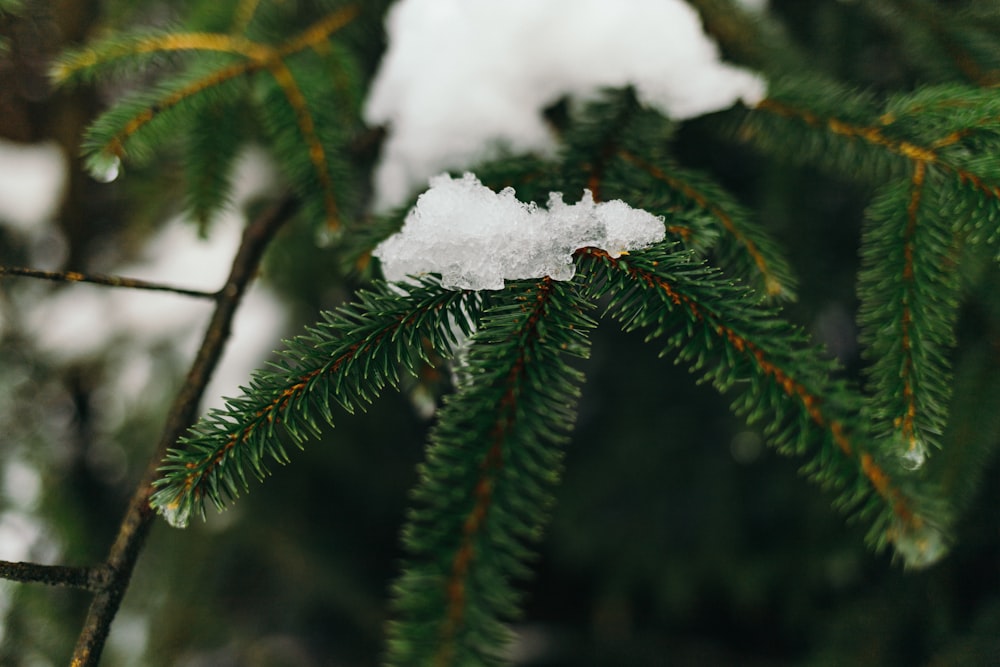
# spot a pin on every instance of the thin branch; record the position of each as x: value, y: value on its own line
x: 102, y: 279
x: 259, y: 56
x: 772, y: 283
x: 933, y: 20
x: 876, y: 137
x: 87, y: 578
x: 910, y: 297
x: 307, y: 127
x: 139, y: 516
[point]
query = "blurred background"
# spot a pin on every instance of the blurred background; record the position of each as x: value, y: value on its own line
x: 678, y: 539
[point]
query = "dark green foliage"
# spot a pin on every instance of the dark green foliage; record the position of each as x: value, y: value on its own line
x: 908, y: 288
x: 494, y: 455
x: 707, y: 219
x: 348, y: 358
x: 716, y: 329
x: 821, y: 122
x: 941, y: 43
x: 214, y: 141
x: 132, y: 131
x: 292, y: 76
x: 492, y: 464
x: 303, y: 119
x: 307, y: 123
x: 946, y: 138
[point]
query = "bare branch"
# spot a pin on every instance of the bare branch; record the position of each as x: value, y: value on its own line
x: 102, y: 279
x: 87, y: 578
x: 139, y: 516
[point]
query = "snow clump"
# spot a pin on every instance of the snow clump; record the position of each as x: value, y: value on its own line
x: 464, y: 80
x: 476, y: 238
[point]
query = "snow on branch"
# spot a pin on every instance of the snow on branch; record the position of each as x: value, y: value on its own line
x: 462, y: 78
x: 476, y: 238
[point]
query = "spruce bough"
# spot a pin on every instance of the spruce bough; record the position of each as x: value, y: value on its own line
x: 707, y: 297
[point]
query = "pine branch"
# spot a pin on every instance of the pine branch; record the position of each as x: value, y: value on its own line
x: 623, y: 151
x: 908, y: 285
x: 714, y: 327
x: 866, y: 146
x: 86, y: 62
x: 908, y: 288
x: 138, y: 125
x: 951, y: 141
x: 486, y: 485
x: 139, y: 50
x: 291, y: 121
x: 348, y: 358
x: 139, y: 516
x: 213, y: 146
x: 941, y: 43
x: 750, y: 39
x: 495, y: 454
x: 743, y: 246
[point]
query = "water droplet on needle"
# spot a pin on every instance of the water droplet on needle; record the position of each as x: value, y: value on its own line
x: 176, y: 513
x: 917, y: 542
x: 915, y: 455
x: 107, y: 169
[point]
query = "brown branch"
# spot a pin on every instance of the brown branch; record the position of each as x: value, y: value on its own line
x: 876, y: 137
x: 139, y: 516
x: 87, y: 578
x: 907, y: 420
x: 102, y: 279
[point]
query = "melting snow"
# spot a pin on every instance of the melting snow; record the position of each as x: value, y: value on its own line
x: 462, y: 78
x: 476, y: 238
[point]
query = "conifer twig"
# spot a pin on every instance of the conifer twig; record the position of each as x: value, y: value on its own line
x: 86, y: 578
x: 931, y: 18
x: 139, y: 516
x: 102, y: 279
x: 772, y: 283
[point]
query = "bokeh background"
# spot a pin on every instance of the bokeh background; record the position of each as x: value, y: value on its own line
x: 678, y: 539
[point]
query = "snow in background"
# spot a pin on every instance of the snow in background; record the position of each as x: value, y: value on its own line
x: 32, y: 180
x: 139, y: 334
x: 476, y: 238
x: 81, y: 321
x: 462, y: 79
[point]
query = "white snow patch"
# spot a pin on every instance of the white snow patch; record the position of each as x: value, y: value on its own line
x: 463, y: 78
x: 476, y: 238
x: 32, y: 180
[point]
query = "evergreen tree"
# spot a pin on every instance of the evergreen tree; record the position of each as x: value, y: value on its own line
x: 897, y: 429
